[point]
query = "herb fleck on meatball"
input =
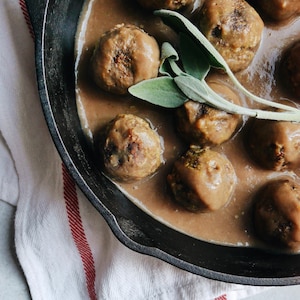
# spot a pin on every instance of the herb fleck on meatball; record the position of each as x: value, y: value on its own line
x: 124, y: 56
x: 132, y: 149
x: 202, y: 180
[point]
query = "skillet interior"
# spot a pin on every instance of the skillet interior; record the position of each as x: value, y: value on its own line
x: 55, y: 25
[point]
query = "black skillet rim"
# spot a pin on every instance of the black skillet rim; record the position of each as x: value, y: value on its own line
x: 54, y: 24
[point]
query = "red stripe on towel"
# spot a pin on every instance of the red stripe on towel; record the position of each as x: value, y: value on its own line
x: 223, y: 297
x: 72, y: 206
x: 26, y: 17
x: 78, y: 233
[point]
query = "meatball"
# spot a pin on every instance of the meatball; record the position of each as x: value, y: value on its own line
x: 275, y: 145
x: 202, y: 180
x: 291, y: 66
x: 234, y: 28
x: 203, y: 125
x: 166, y: 4
x: 280, y: 9
x: 124, y: 56
x: 277, y: 213
x: 132, y: 150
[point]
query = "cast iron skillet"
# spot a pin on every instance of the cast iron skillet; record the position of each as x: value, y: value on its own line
x: 54, y: 25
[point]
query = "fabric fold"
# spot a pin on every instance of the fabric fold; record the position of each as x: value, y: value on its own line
x: 9, y: 184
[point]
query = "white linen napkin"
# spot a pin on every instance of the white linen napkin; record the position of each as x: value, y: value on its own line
x: 64, y: 246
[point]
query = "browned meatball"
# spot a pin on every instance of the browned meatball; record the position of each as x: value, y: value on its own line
x: 277, y: 213
x: 166, y: 4
x: 280, y: 9
x: 275, y: 145
x: 203, y: 125
x: 124, y: 56
x: 202, y: 180
x: 291, y: 63
x: 132, y: 149
x: 234, y: 28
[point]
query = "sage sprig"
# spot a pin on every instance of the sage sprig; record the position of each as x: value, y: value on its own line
x: 177, y: 84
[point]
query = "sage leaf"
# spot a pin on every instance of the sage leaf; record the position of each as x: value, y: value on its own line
x: 160, y: 91
x: 201, y: 92
x: 192, y: 88
x: 166, y: 69
x: 259, y: 99
x: 168, y: 51
x: 169, y: 57
x: 181, y: 24
x: 178, y: 86
x: 193, y: 58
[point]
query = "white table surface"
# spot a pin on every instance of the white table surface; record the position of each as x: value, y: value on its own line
x: 13, y: 284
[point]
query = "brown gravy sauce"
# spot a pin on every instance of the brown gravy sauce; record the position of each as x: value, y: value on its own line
x: 231, y: 224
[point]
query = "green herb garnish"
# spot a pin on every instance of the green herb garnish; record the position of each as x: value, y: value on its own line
x: 176, y: 86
